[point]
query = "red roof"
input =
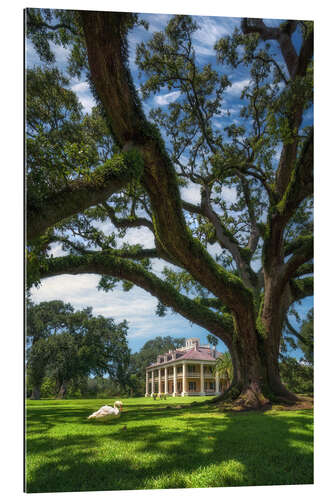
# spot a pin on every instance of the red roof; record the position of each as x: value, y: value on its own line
x: 199, y: 354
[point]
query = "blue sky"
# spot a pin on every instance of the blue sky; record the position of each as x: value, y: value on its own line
x: 137, y: 306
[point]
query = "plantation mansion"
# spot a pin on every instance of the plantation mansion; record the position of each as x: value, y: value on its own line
x: 187, y: 371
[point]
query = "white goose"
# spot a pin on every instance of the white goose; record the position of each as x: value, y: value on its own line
x: 106, y: 413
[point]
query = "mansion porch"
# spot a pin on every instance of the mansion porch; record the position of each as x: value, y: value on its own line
x: 183, y: 380
x: 187, y: 371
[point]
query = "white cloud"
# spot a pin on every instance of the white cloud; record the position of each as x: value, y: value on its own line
x: 139, y: 236
x: 211, y: 29
x: 81, y: 291
x: 201, y: 50
x: 237, y: 87
x: 163, y: 100
x: 229, y: 194
x: 137, y: 306
x: 56, y: 250
x: 156, y: 21
x: 32, y: 58
x: 61, y: 53
x: 84, y: 95
x: 191, y: 193
x: 81, y: 87
x: 75, y: 289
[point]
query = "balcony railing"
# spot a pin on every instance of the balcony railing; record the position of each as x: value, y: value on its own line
x: 180, y: 375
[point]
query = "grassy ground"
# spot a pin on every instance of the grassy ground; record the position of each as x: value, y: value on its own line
x: 189, y: 447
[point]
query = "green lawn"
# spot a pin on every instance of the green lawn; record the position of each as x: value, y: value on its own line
x: 161, y: 447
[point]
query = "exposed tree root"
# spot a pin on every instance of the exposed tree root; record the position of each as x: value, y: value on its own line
x: 253, y: 398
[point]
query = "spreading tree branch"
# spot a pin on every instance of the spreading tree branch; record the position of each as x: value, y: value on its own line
x: 301, y: 288
x: 295, y: 332
x: 80, y: 194
x: 105, y: 35
x: 123, y: 223
x: 103, y: 263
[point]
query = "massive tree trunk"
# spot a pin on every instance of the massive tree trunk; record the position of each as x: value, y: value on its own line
x: 249, y: 385
x: 255, y: 359
x: 274, y: 312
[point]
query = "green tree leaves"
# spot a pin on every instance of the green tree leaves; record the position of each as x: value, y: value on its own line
x: 68, y: 344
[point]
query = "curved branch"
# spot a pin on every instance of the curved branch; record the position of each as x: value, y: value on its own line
x: 298, y: 244
x: 305, y: 55
x: 301, y: 181
x: 79, y: 195
x: 302, y: 255
x: 296, y: 333
x: 105, y: 35
x: 133, y: 252
x: 209, y: 302
x: 303, y: 269
x: 225, y: 238
x: 125, y: 222
x: 106, y: 264
x: 301, y: 288
x: 282, y: 36
x: 299, y: 187
x: 193, y: 209
x: 255, y: 233
x: 55, y: 27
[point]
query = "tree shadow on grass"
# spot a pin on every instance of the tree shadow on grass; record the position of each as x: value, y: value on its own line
x: 243, y: 449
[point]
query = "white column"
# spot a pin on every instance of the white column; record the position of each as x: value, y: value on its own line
x: 174, y: 381
x: 184, y: 393
x: 152, y: 382
x: 217, y: 383
x: 147, y: 384
x: 202, y: 380
x: 165, y: 381
x: 159, y: 382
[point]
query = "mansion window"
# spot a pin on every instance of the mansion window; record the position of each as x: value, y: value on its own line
x: 209, y: 386
x: 192, y: 386
x: 191, y: 368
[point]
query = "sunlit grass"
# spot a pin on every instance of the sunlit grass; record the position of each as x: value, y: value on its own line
x: 161, y: 447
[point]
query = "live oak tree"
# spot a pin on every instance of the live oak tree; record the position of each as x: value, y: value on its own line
x: 43, y: 320
x: 68, y: 345
x: 262, y: 241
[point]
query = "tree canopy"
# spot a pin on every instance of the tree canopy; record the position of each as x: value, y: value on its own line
x: 233, y: 267
x: 68, y: 344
